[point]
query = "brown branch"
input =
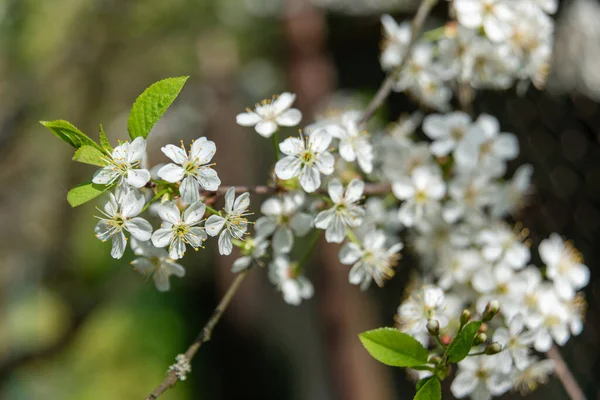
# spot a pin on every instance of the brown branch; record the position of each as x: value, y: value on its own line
x: 203, y: 337
x: 388, y: 83
x: 565, y: 375
x: 370, y: 189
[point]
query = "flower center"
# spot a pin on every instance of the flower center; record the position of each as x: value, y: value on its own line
x: 307, y: 157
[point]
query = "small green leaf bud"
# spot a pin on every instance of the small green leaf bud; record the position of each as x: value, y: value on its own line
x: 493, y: 348
x: 434, y: 359
x: 433, y: 327
x: 491, y: 310
x: 465, y: 317
x: 480, y: 338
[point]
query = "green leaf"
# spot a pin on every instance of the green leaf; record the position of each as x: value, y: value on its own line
x: 394, y: 348
x: 104, y: 141
x: 85, y: 192
x: 461, y: 344
x: 431, y: 389
x: 90, y: 155
x: 151, y: 105
x: 69, y: 133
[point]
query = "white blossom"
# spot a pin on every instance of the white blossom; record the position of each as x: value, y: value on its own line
x: 480, y: 378
x: 121, y: 165
x: 371, y: 259
x: 354, y: 142
x: 486, y: 148
x: 156, y: 263
x: 232, y: 224
x: 554, y: 323
x: 516, y: 341
x: 286, y: 276
x: 123, y: 216
x: 427, y: 303
x: 446, y: 131
x: 501, y: 245
x: 193, y: 170
x: 564, y: 266
x: 344, y: 213
x: 495, y: 16
x: 252, y: 251
x: 421, y: 194
x: 396, y: 39
x: 270, y: 114
x: 180, y: 228
x: 283, y: 219
x: 306, y: 159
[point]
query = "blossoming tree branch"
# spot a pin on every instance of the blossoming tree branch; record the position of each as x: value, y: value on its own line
x: 479, y: 313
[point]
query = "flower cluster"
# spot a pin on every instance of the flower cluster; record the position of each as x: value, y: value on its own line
x: 491, y: 45
x: 183, y: 217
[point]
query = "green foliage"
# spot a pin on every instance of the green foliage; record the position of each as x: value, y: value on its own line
x: 461, y: 345
x: 152, y: 104
x: 90, y: 155
x: 430, y: 389
x: 69, y: 133
x: 394, y: 348
x: 104, y: 141
x: 85, y: 192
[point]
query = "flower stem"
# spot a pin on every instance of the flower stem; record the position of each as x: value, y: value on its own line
x: 155, y: 198
x: 309, y: 249
x: 212, y: 210
x: 352, y: 236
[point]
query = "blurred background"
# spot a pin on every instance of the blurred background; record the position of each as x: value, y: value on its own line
x: 76, y: 324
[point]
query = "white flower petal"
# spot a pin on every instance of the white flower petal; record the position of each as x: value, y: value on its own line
x: 138, y: 177
x: 225, y: 245
x: 176, y: 154
x: 194, y: 213
x: 202, y: 151
x: 171, y: 173
x: 189, y: 190
x: 287, y: 168
x: 266, y: 128
x: 119, y: 242
x: 162, y: 237
x: 214, y: 224
x: 139, y: 228
x: 247, y: 119
x: 291, y: 117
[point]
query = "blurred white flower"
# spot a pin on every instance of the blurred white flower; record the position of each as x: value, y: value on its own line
x: 479, y: 377
x: 252, y: 251
x: 344, y: 213
x: 270, y: 114
x: 286, y: 276
x: 283, y: 219
x: 421, y: 194
x: 516, y: 341
x: 371, y: 259
x: 156, y: 263
x: 495, y: 16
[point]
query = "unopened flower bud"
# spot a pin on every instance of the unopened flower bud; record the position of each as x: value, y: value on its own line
x: 433, y: 327
x: 480, y: 338
x: 493, y: 348
x: 491, y: 310
x: 465, y: 317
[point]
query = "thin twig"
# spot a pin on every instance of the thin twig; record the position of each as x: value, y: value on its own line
x: 388, y: 83
x: 203, y: 337
x: 565, y: 375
